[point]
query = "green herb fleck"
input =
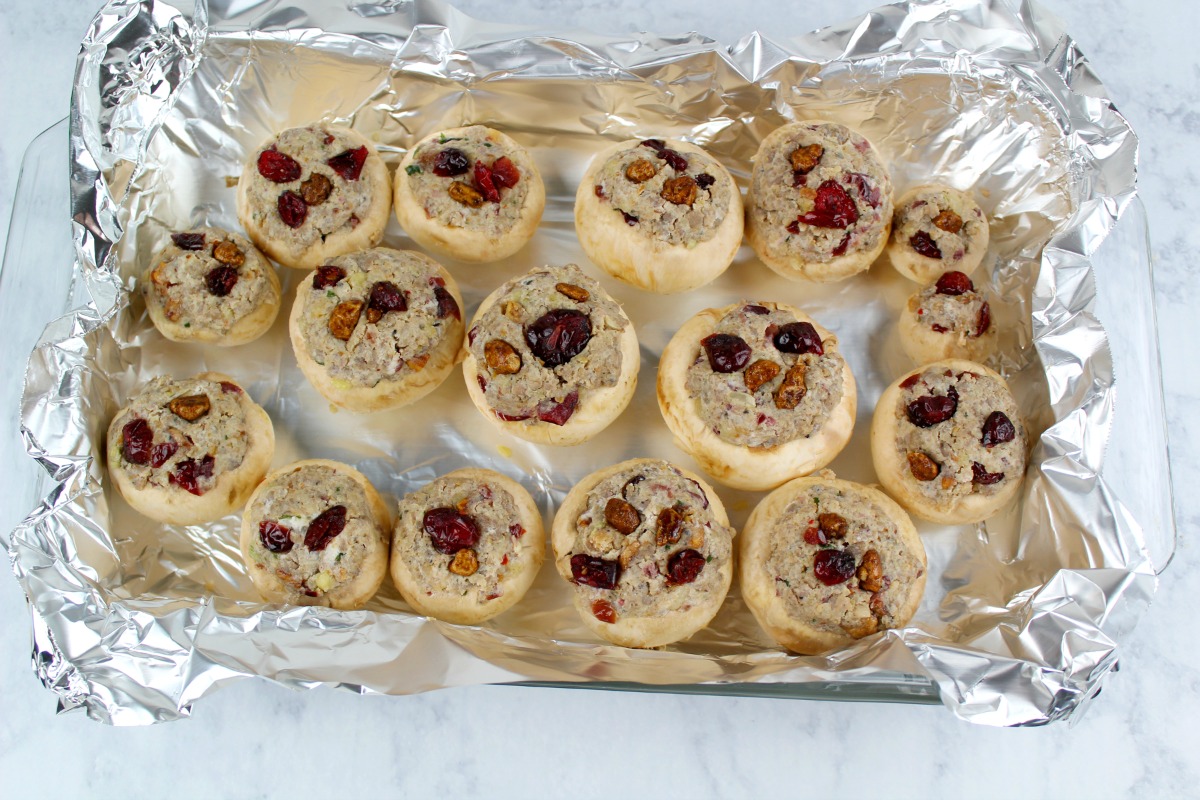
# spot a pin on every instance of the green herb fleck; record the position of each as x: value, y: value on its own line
x: 339, y: 557
x: 187, y: 324
x: 709, y: 559
x: 330, y: 294
x: 413, y: 169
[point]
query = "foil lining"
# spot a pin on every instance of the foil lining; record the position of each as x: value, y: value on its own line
x: 1023, y: 615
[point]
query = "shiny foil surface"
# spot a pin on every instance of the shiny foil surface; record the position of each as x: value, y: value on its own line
x: 1023, y: 614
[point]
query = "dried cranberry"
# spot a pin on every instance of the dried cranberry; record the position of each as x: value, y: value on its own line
x: 799, y: 337
x: 756, y: 309
x: 866, y: 190
x: 450, y: 162
x: 985, y: 319
x: 516, y: 530
x: 446, y: 304
x: 997, y: 429
x: 595, y: 572
x: 136, y: 438
x: 385, y: 297
x: 603, y: 611
x: 726, y: 352
x: 226, y: 386
x: 704, y: 180
x: 980, y: 476
x: 924, y: 245
x: 674, y: 160
x: 188, y: 473
x: 910, y: 381
x: 653, y: 144
x: 927, y: 411
x: 325, y: 528
x: 841, y: 247
x: 814, y: 536
x: 954, y: 283
x: 188, y: 241
x: 799, y: 179
x: 161, y: 453
x: 485, y: 184
x: 833, y: 208
x: 630, y: 219
x: 598, y: 190
x: 939, y: 328
x: 349, y: 163
x: 684, y: 566
x: 505, y: 173
x: 471, y: 334
x: 328, y: 276
x: 449, y: 530
x: 833, y: 566
x: 275, y: 537
x: 558, y: 413
x: 794, y: 226
x: 292, y: 209
x: 221, y: 280
x: 700, y: 493
x: 558, y: 336
x: 278, y: 167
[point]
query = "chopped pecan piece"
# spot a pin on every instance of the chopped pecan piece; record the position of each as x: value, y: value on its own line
x: 922, y: 467
x: 464, y: 194
x: 948, y: 221
x: 316, y: 189
x: 667, y: 528
x: 758, y: 373
x: 512, y: 310
x: 627, y: 554
x: 877, y: 606
x: 576, y: 293
x: 805, y: 158
x: 870, y: 572
x: 344, y: 319
x: 681, y: 191
x: 417, y: 363
x: 190, y: 407
x: 621, y: 515
x: 947, y: 482
x: 465, y: 562
x: 834, y: 526
x: 229, y: 253
x: 792, y: 390
x: 501, y: 357
x: 640, y: 171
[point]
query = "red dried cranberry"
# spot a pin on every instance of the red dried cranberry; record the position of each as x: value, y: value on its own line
x: 161, y: 453
x: 595, y: 572
x: 674, y: 160
x: 136, y: 438
x: 188, y: 473
x: 980, y: 476
x: 278, y: 167
x: 435, y: 280
x: 325, y: 528
x: 221, y: 280
x: 954, y: 283
x: 599, y: 191
x: 841, y: 247
x: 482, y: 383
x: 833, y: 208
x: 449, y: 530
x: 450, y: 162
x: 275, y: 537
x: 505, y: 173
x: 471, y: 334
x: 815, y: 536
x: 328, y: 276
x: 226, y: 386
x: 997, y: 429
x: 684, y: 566
x: 447, y: 306
x: 516, y: 530
x: 700, y: 493
x: 603, y: 611
x: 386, y: 296
x: 939, y: 328
x: 726, y: 352
x: 292, y: 209
x: 558, y: 413
x: 558, y: 336
x: 349, y: 163
x: 799, y: 337
x: 866, y: 190
x: 833, y: 566
x: 485, y: 184
x: 756, y: 309
x: 704, y: 180
x: 927, y: 411
x: 794, y: 226
x: 653, y: 144
x: 799, y: 179
x: 188, y: 241
x: 985, y: 319
x: 924, y: 245
x: 630, y: 219
x: 910, y: 381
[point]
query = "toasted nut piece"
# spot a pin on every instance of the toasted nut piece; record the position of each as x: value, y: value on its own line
x: 600, y: 541
x: 640, y: 171
x: 667, y: 528
x: 947, y: 482
x: 513, y: 310
x: 877, y: 607
x: 808, y: 193
x: 861, y: 628
x: 157, y: 278
x: 172, y: 309
x: 316, y: 189
x: 631, y: 550
x: 805, y: 158
x: 697, y: 539
x: 922, y: 467
x: 417, y: 364
x: 870, y: 572
x: 501, y: 357
x: 344, y: 318
x: 465, y: 563
x: 191, y: 407
x: 621, y: 515
x: 792, y: 390
x: 464, y: 194
x: 948, y: 221
x: 576, y: 293
x: 681, y: 191
x: 374, y: 315
x: 758, y: 373
x: 834, y: 526
x: 229, y: 253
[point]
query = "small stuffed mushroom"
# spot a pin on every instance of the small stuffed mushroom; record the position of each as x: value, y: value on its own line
x: 949, y: 319
x: 937, y: 229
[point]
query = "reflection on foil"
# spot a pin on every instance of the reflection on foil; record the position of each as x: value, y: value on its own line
x: 1023, y: 614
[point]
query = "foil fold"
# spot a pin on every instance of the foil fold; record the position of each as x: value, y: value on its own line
x: 1025, y: 614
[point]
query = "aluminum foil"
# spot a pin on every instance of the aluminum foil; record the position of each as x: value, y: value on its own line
x: 1023, y: 615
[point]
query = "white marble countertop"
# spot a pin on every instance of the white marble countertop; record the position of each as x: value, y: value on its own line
x: 257, y: 740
